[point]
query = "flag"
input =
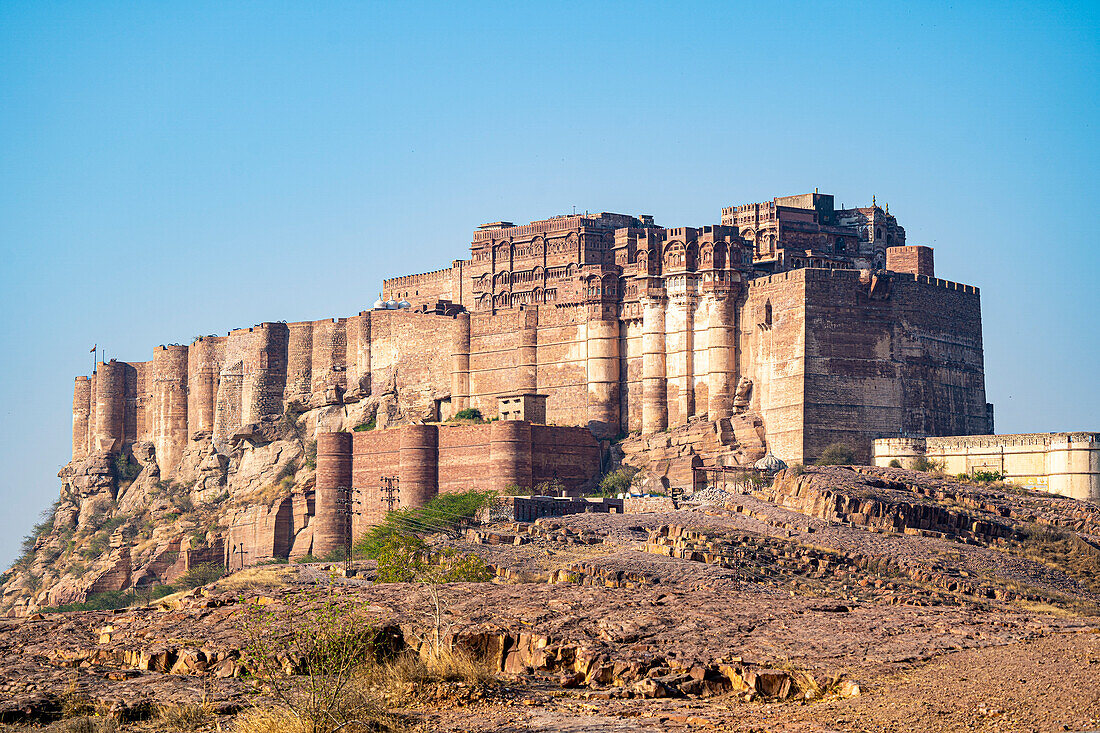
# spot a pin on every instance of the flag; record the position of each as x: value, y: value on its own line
x: 93, y: 348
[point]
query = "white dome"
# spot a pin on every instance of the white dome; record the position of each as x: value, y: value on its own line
x: 404, y: 304
x: 391, y: 304
x: 379, y: 304
x: 769, y: 463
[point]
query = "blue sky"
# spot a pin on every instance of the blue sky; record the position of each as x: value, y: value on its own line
x: 176, y: 169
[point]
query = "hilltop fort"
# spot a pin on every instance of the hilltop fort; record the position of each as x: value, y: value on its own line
x: 801, y: 323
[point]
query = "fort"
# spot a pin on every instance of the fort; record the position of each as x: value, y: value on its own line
x: 821, y: 323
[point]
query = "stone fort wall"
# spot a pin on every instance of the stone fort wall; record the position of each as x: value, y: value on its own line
x: 624, y: 326
x: 428, y: 460
x: 827, y: 361
x: 1061, y: 463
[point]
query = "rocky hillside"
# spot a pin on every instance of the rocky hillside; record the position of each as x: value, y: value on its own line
x: 118, y: 527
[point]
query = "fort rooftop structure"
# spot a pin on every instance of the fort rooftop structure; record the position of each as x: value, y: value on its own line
x: 792, y: 322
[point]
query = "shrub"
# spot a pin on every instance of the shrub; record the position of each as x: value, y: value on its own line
x: 469, y: 413
x: 185, y: 717
x: 985, y: 477
x: 836, y: 454
x: 125, y: 468
x: 553, y: 487
x: 200, y: 575
x: 30, y: 541
x: 311, y: 455
x: 796, y: 469
x: 895, y: 463
x: 514, y: 489
x: 923, y: 463
x: 616, y: 482
x: 365, y: 426
x: 325, y: 650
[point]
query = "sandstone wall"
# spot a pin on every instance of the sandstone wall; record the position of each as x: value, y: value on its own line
x: 1067, y: 464
x: 772, y: 355
x: 433, y: 459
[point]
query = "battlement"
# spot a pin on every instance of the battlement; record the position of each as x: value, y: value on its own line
x: 565, y: 223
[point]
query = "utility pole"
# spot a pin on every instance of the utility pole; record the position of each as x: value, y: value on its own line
x: 345, y: 505
x: 390, y: 490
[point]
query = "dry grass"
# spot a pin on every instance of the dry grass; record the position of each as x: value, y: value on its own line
x: 359, y: 712
x: 184, y: 718
x: 411, y: 678
x: 84, y: 725
x: 256, y: 577
x: 1061, y: 550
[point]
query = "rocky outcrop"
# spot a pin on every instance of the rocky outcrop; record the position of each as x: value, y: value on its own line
x: 667, y: 459
x: 119, y: 525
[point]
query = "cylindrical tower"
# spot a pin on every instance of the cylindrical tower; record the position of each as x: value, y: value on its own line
x: 526, y: 379
x: 510, y: 455
x: 419, y: 465
x: 332, y: 513
x: 460, y: 362
x: 110, y: 405
x: 603, y: 371
x: 169, y: 428
x: 654, y: 390
x: 92, y: 381
x: 679, y: 359
x: 202, y: 380
x: 357, y: 356
x: 264, y: 372
x: 299, y: 368
x: 82, y: 406
x: 720, y: 364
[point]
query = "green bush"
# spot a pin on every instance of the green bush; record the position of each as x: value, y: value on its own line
x: 126, y: 469
x: 836, y: 454
x: 616, y: 482
x: 200, y: 575
x: 923, y: 463
x: 112, y: 599
x: 365, y: 426
x: 895, y: 463
x: 405, y: 558
x: 311, y: 455
x: 469, y: 413
x: 986, y: 477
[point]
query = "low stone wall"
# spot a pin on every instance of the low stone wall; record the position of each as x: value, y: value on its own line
x: 1067, y: 464
x: 648, y: 504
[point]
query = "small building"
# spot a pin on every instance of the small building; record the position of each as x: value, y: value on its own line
x: 527, y: 406
x: 1067, y: 464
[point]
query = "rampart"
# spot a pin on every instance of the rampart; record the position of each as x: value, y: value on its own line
x: 430, y: 459
x: 624, y: 326
x: 1061, y: 463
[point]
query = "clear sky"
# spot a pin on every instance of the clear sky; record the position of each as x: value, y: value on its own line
x: 176, y: 169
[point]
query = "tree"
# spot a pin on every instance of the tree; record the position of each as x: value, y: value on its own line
x: 836, y: 454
